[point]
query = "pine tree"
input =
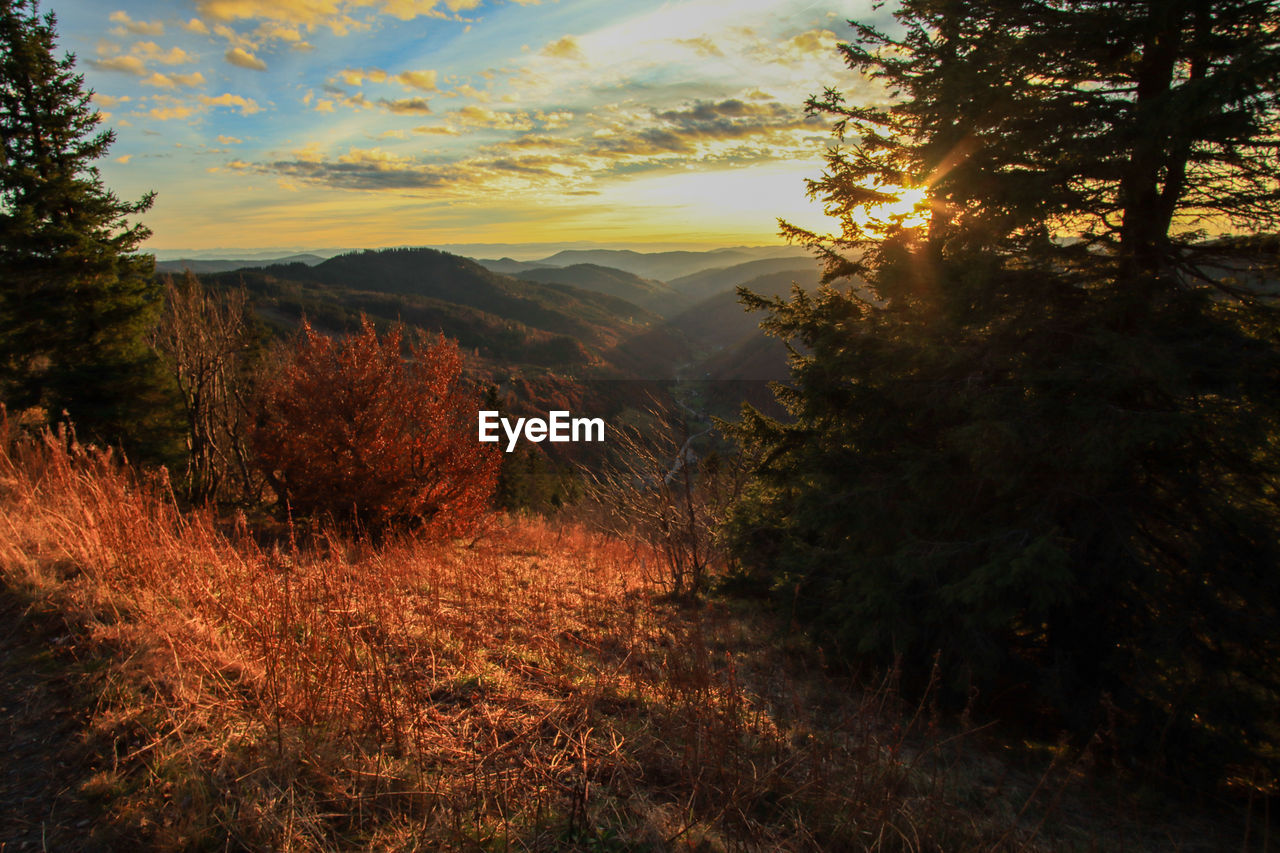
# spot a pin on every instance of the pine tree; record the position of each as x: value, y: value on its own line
x: 1038, y: 435
x: 76, y: 299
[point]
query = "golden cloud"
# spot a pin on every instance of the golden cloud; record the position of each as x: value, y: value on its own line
x: 702, y: 46
x: 247, y: 106
x: 244, y: 59
x: 152, y: 52
x: 477, y: 116
x: 109, y: 100
x: 403, y: 106
x: 127, y: 64
x: 142, y: 28
x: 357, y: 76
x: 171, y: 112
x: 173, y: 81
x: 563, y: 48
x: 424, y: 80
x: 334, y: 14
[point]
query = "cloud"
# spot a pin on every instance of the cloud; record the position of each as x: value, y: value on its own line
x: 701, y: 45
x: 173, y: 81
x: 247, y: 106
x: 468, y: 91
x: 142, y: 28
x: 334, y: 14
x: 109, y: 101
x: 563, y: 48
x: 811, y: 42
x: 413, y: 106
x: 152, y: 52
x: 359, y: 169
x: 477, y: 116
x: 124, y: 158
x: 357, y: 76
x: 244, y: 59
x: 171, y: 112
x: 707, y: 130
x: 229, y: 140
x: 272, y: 31
x: 195, y: 25
x: 424, y: 80
x: 127, y: 64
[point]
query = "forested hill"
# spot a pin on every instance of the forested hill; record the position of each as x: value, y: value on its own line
x: 648, y: 293
x: 506, y: 321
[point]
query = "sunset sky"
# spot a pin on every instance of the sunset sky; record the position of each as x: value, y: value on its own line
x: 360, y: 123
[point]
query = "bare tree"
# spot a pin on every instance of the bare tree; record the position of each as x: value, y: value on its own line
x: 660, y: 490
x: 205, y: 339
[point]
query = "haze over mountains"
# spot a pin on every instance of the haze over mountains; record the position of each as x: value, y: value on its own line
x: 551, y: 330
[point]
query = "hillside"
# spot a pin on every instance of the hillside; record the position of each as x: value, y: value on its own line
x: 707, y: 283
x: 176, y: 685
x: 647, y: 293
x: 504, y: 320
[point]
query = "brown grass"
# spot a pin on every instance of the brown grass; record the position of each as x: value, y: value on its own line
x: 527, y: 691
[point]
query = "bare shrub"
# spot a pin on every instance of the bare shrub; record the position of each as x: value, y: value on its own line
x: 205, y: 340
x: 658, y: 490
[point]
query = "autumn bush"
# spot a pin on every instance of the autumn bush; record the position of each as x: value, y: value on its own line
x: 369, y: 429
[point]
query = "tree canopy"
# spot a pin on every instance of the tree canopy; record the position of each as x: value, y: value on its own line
x: 76, y: 298
x: 1034, y: 420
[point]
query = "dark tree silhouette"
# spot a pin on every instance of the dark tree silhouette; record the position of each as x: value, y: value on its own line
x: 1037, y: 431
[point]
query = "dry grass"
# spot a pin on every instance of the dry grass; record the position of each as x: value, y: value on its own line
x: 528, y: 691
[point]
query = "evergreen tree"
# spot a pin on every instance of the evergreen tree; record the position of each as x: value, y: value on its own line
x: 76, y: 299
x: 1038, y: 435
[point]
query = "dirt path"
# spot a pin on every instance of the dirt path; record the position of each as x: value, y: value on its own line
x: 41, y: 750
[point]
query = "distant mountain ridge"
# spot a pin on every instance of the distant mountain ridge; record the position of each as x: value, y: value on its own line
x: 505, y: 320
x: 666, y: 266
x: 650, y: 294
x: 199, y: 265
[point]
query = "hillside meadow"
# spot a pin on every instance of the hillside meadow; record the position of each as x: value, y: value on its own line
x: 531, y: 688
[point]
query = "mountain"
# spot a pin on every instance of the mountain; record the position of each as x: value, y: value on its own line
x: 509, y: 266
x: 199, y: 265
x: 667, y: 265
x: 505, y: 321
x: 648, y: 293
x: 707, y: 283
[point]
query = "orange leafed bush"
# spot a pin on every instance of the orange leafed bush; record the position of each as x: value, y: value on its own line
x: 353, y: 428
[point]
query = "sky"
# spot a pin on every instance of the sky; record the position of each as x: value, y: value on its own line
x: 300, y: 124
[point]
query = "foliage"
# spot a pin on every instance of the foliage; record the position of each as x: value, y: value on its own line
x: 1037, y: 433
x: 354, y: 429
x: 75, y: 299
